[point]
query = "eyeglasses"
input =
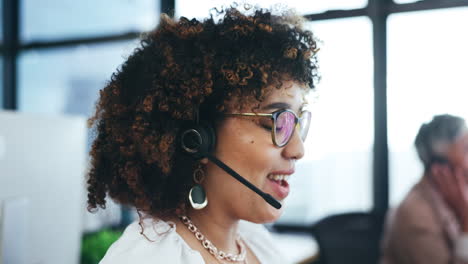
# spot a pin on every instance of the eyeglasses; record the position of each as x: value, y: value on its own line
x: 285, y: 121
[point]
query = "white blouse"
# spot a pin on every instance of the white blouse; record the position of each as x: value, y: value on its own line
x: 167, y: 246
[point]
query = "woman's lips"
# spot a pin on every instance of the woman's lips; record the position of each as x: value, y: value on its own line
x: 279, y: 185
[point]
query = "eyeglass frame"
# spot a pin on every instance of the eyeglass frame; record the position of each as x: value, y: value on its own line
x: 274, y: 116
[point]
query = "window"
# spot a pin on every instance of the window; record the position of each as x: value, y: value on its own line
x: 67, y: 80
x: 405, y: 1
x: 339, y: 144
x: 426, y: 76
x: 1, y: 82
x: 53, y: 19
x: 1, y: 56
x: 1, y: 19
x: 199, y: 9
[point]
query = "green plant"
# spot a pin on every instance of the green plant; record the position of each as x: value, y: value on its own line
x: 94, y: 245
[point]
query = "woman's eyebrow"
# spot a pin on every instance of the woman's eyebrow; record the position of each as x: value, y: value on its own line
x: 277, y: 105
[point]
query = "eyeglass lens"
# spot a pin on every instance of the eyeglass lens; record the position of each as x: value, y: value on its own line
x: 285, y: 125
x: 304, y: 122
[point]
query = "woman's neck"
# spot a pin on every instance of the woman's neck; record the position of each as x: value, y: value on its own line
x: 217, y: 227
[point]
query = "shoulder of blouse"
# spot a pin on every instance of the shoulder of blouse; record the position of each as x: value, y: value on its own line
x: 154, y: 241
x: 261, y: 242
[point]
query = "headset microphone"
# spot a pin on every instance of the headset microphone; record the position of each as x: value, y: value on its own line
x: 267, y: 197
x: 199, y: 140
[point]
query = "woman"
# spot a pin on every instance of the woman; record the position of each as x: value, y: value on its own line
x: 241, y: 77
x: 439, y: 197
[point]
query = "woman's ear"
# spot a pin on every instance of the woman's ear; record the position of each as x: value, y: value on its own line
x: 204, y: 161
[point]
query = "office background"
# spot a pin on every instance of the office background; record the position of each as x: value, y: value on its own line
x: 386, y: 66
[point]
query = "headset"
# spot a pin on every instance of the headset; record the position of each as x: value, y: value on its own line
x: 198, y: 140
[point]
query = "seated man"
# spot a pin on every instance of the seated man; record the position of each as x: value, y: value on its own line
x: 430, y: 226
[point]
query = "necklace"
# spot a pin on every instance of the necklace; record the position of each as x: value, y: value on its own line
x: 219, y: 254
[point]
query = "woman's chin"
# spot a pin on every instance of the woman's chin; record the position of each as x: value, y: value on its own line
x: 275, y: 215
x: 270, y: 215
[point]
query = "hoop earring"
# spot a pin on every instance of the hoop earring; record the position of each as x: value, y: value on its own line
x: 197, y: 195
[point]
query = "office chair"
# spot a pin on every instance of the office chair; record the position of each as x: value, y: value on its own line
x: 348, y: 238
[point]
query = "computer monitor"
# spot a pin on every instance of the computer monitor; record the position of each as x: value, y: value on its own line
x: 42, y: 166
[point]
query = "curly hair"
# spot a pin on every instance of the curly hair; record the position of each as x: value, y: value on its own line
x: 179, y: 68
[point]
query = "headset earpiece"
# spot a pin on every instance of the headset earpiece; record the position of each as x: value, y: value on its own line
x: 198, y: 140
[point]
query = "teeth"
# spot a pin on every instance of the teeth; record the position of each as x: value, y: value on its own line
x: 278, y: 177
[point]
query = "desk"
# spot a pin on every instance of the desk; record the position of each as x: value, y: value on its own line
x: 298, y: 248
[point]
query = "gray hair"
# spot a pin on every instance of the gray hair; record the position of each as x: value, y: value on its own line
x: 434, y: 137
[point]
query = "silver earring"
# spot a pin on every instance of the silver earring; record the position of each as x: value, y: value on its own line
x: 197, y: 195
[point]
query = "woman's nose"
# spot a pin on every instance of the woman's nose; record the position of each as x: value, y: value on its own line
x: 295, y: 147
